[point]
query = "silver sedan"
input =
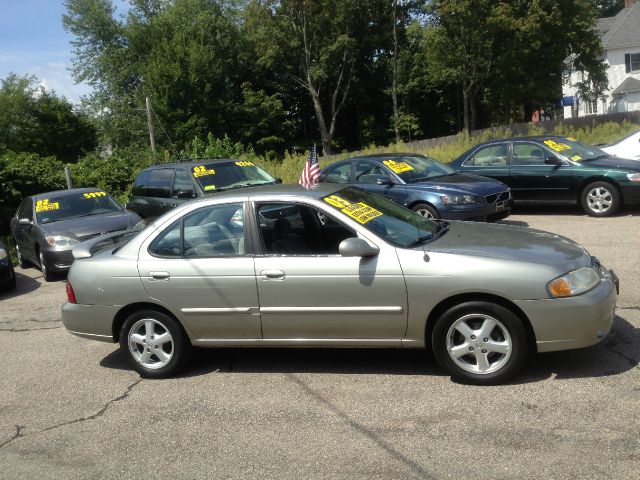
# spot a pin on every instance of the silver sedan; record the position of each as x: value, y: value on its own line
x: 336, y: 267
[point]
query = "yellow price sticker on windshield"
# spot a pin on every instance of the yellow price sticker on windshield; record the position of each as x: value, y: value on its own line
x: 576, y: 158
x: 45, y: 206
x: 202, y: 171
x: 360, y: 212
x: 245, y: 164
x: 94, y: 194
x: 558, y: 147
x: 398, y: 167
x: 209, y: 187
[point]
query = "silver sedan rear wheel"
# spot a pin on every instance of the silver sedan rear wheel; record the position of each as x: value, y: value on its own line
x: 156, y: 344
x: 150, y: 343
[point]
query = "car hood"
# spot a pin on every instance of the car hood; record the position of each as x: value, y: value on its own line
x: 511, y: 243
x: 473, y: 184
x: 614, y: 162
x: 92, y: 225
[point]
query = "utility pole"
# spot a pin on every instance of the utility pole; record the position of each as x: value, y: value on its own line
x: 151, y: 135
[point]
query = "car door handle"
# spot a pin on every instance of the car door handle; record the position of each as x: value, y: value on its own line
x: 272, y: 274
x: 159, y: 275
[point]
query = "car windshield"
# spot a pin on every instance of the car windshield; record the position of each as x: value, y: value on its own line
x: 82, y: 204
x: 226, y: 175
x: 395, y: 224
x: 418, y: 167
x: 573, y: 150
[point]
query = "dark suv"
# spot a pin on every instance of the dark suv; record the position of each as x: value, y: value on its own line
x: 160, y: 188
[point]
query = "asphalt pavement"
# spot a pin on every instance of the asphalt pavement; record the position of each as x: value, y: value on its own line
x: 72, y: 408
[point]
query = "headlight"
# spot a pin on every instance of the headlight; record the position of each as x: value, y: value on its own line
x: 60, y: 241
x: 573, y: 283
x: 458, y: 199
x: 633, y: 177
x: 3, y: 254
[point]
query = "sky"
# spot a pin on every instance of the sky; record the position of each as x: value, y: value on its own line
x: 33, y: 41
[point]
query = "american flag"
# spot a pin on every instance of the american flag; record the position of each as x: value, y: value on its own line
x: 311, y: 171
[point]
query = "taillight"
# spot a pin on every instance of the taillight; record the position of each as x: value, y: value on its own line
x: 71, y: 296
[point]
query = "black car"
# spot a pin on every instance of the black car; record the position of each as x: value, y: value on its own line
x: 553, y: 169
x: 7, y: 275
x: 428, y: 187
x: 47, y: 226
x: 159, y: 188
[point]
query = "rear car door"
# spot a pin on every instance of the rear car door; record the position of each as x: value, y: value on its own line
x: 535, y: 180
x: 308, y: 291
x: 490, y: 161
x: 199, y: 266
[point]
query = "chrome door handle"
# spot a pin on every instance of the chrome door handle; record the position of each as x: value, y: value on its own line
x: 159, y: 275
x: 272, y: 274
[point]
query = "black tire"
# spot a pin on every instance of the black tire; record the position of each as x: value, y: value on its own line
x: 426, y: 210
x: 11, y: 284
x: 601, y: 199
x: 178, y: 353
x: 501, y: 366
x: 21, y: 261
x: 46, y: 273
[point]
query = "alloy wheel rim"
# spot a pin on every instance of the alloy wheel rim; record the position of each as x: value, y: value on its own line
x: 479, y: 343
x: 423, y: 212
x: 43, y: 267
x: 150, y: 343
x: 599, y: 199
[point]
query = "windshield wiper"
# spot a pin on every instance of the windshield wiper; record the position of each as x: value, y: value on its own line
x: 419, y: 240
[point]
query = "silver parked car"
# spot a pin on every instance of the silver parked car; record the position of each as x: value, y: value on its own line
x: 337, y: 267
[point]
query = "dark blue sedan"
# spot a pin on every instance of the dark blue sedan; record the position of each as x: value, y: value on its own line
x: 426, y: 186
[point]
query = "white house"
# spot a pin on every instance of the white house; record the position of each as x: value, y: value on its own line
x: 621, y: 42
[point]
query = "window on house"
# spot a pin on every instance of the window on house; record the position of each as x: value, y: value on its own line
x: 591, y: 106
x: 632, y: 62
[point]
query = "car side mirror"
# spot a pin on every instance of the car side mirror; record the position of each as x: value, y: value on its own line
x: 357, y: 247
x: 552, y: 161
x: 278, y: 181
x: 384, y: 181
x: 24, y: 221
x: 186, y: 194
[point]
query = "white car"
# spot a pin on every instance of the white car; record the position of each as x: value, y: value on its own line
x: 628, y: 147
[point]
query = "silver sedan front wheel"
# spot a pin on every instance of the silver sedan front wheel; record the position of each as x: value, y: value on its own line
x: 155, y: 342
x: 479, y: 342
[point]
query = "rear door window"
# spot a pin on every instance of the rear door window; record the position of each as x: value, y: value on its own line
x: 489, y: 156
x: 154, y: 183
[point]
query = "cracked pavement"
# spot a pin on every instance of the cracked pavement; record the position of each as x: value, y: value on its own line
x: 72, y: 408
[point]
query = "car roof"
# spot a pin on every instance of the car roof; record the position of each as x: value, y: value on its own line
x: 373, y: 156
x: 534, y: 138
x: 65, y: 193
x: 318, y: 190
x: 190, y: 163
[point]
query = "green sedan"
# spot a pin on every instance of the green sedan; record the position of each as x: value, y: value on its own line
x: 558, y: 170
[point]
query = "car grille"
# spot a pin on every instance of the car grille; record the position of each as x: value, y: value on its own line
x: 498, y: 197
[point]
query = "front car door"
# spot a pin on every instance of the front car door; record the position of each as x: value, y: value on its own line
x: 378, y: 179
x: 200, y: 268
x: 311, y: 294
x: 24, y: 235
x: 533, y: 179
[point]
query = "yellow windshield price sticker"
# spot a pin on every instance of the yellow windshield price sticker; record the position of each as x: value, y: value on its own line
x: 576, y: 158
x: 202, y: 171
x: 245, y: 164
x: 398, y: 167
x: 95, y: 194
x: 209, y: 187
x: 45, y: 206
x: 360, y: 212
x: 558, y: 147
